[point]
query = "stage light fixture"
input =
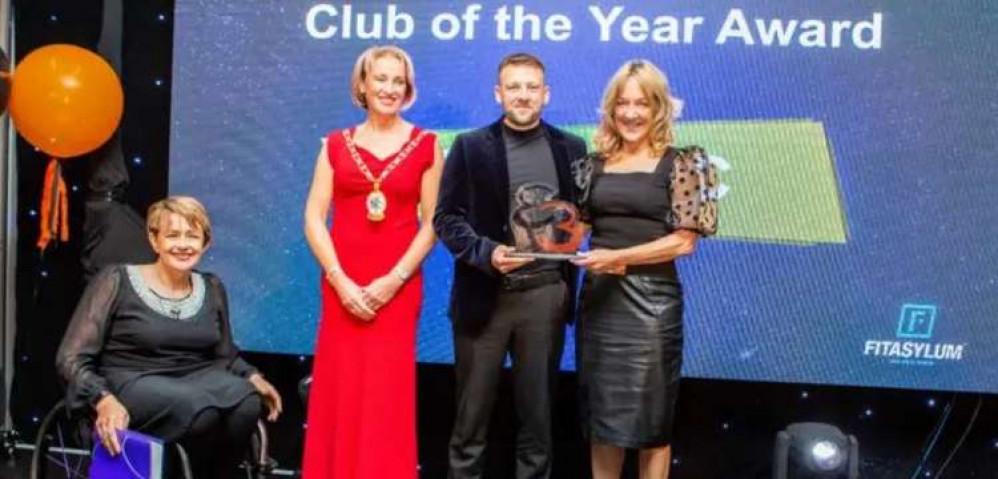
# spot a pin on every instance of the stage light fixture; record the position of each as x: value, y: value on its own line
x: 827, y: 455
x: 815, y: 451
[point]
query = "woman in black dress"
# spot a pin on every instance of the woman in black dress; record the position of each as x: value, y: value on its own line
x: 647, y: 202
x: 150, y: 348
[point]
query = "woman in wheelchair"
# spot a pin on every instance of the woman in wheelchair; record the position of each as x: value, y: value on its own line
x: 150, y: 348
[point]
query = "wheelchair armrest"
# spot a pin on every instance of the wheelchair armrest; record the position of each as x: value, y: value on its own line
x: 303, y: 386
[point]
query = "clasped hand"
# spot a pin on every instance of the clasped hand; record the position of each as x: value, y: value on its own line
x: 364, y: 302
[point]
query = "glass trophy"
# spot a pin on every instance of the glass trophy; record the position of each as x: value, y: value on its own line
x: 545, y: 227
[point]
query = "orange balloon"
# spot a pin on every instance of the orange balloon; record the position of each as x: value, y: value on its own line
x: 65, y: 100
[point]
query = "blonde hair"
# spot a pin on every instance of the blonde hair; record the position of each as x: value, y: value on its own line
x: 362, y: 67
x: 186, y: 207
x: 655, y: 86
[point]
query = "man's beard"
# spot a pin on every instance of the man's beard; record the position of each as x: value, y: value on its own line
x: 528, y: 121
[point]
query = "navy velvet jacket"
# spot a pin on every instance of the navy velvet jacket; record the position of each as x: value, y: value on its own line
x: 472, y: 215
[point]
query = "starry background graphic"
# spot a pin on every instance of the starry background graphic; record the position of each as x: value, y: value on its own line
x: 912, y: 127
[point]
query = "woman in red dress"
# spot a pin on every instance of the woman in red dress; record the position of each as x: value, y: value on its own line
x: 381, y: 179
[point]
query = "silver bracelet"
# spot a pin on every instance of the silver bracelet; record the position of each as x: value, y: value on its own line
x: 401, y: 273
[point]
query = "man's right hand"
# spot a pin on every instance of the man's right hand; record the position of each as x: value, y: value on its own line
x: 502, y: 262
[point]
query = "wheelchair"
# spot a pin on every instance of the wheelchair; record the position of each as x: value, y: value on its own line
x: 64, y: 444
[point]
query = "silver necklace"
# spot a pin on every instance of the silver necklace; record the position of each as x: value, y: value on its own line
x: 173, y: 305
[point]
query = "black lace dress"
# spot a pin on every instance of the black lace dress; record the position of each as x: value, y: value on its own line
x: 165, y: 361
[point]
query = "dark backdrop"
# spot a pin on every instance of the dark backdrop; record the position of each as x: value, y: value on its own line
x: 725, y: 429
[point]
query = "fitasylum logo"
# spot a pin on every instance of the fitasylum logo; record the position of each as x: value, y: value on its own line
x: 912, y: 344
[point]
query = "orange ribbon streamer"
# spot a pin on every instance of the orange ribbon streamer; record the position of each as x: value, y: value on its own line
x: 55, y: 207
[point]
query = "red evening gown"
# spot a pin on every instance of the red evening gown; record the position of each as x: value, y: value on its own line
x: 362, y: 402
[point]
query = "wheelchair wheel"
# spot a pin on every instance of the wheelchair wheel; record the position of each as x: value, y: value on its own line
x: 62, y: 447
x: 258, y: 463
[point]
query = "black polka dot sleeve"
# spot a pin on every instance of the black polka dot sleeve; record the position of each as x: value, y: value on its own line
x: 693, y: 185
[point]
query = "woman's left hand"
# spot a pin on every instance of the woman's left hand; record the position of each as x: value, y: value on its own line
x: 269, y: 395
x: 602, y: 261
x: 382, y: 290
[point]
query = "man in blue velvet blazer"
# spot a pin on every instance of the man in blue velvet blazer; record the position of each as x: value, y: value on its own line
x: 500, y: 303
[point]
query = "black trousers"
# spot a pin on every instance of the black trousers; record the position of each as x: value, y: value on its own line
x: 530, y: 325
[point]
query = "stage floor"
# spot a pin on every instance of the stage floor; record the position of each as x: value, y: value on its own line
x: 725, y: 429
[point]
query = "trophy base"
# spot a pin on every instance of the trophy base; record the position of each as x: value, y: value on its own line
x: 548, y: 256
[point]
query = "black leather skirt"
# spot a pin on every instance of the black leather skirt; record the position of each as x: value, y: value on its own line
x: 629, y: 346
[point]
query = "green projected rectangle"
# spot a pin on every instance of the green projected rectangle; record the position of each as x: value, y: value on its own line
x: 778, y: 178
